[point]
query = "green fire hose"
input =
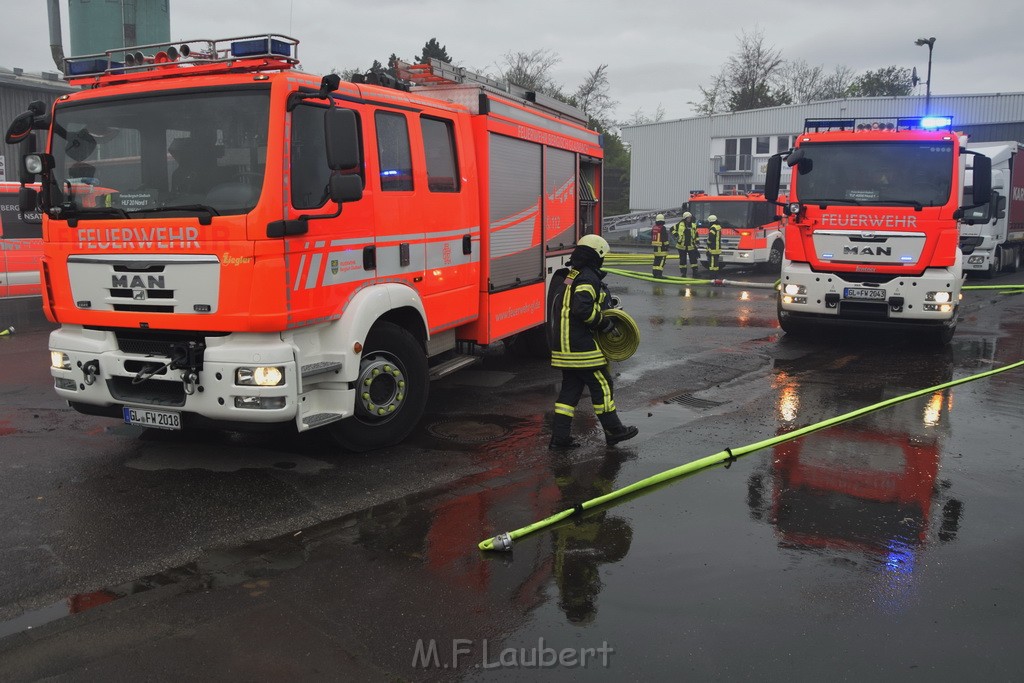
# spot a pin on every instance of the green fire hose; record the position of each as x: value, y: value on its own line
x: 624, y: 340
x: 503, y: 541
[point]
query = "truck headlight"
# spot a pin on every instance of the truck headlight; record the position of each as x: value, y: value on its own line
x: 938, y: 297
x: 795, y: 289
x: 261, y: 376
x: 59, y: 360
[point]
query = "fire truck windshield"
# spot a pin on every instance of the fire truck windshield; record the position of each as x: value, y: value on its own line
x: 195, y: 151
x: 876, y: 173
x: 730, y: 214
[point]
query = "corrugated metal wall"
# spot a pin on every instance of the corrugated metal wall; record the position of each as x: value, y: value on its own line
x: 670, y: 158
x: 100, y: 25
x: 15, y: 95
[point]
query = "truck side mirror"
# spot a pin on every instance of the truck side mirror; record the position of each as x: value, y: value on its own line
x: 341, y: 135
x: 772, y: 177
x: 28, y: 200
x: 346, y: 188
x: 982, y: 176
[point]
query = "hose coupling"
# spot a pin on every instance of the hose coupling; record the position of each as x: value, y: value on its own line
x: 502, y: 542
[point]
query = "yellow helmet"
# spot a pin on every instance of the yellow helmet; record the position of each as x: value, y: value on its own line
x: 687, y: 214
x: 595, y: 242
x: 660, y: 218
x: 712, y: 218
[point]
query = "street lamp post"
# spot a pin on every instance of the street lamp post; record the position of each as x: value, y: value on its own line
x: 930, y: 42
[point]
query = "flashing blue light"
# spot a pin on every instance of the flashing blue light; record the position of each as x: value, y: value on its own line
x: 826, y: 256
x: 389, y: 173
x: 933, y: 122
x: 906, y: 258
x: 259, y: 47
x: 86, y: 67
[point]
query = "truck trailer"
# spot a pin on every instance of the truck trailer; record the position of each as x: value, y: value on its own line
x: 992, y: 241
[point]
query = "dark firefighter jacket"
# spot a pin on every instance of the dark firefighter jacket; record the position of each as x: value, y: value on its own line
x: 577, y: 304
x: 686, y: 237
x: 715, y: 239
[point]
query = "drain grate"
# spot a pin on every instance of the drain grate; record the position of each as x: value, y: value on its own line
x: 468, y: 431
x: 691, y: 401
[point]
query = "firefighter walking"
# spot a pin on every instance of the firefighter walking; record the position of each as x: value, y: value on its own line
x: 579, y: 299
x: 659, y: 240
x: 714, y: 243
x: 685, y: 234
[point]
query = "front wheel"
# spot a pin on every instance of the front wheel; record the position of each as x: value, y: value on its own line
x: 391, y: 391
x: 774, y: 262
x: 786, y: 321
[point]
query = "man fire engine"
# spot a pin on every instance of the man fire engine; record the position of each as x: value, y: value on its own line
x: 752, y: 230
x: 872, y: 237
x: 238, y: 290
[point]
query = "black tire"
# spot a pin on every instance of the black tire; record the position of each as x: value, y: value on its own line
x: 391, y: 391
x: 942, y: 336
x: 531, y: 343
x: 774, y: 262
x: 786, y: 322
x: 1015, y: 262
x: 995, y: 266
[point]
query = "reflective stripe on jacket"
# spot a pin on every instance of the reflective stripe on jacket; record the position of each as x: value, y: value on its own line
x: 578, y: 303
x: 686, y: 237
x: 715, y: 239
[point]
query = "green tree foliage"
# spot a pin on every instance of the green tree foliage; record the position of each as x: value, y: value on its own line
x: 433, y: 50
x: 889, y: 80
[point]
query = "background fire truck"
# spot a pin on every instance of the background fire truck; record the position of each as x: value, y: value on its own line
x: 277, y: 247
x: 21, y: 246
x: 752, y: 230
x: 874, y: 211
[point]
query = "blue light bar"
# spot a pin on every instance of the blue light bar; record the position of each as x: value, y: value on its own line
x: 936, y: 121
x: 86, y: 67
x: 259, y: 47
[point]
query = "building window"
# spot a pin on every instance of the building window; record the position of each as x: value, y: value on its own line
x: 763, y: 144
x: 783, y: 143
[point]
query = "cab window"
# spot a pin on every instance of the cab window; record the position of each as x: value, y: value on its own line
x: 439, y: 149
x: 394, y: 152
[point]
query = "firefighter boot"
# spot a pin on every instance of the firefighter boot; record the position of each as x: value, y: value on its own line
x: 614, y: 430
x: 560, y: 436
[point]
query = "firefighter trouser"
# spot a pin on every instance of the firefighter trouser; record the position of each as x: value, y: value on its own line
x: 599, y: 382
x: 714, y: 260
x: 687, y: 258
x: 659, y: 262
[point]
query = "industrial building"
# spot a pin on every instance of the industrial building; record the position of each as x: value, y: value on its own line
x: 726, y: 153
x: 17, y: 89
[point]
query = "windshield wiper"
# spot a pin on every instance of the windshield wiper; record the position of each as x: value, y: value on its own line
x: 74, y: 213
x: 203, y: 220
x: 899, y: 202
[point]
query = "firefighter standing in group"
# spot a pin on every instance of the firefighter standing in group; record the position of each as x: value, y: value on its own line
x: 714, y: 243
x: 579, y: 299
x: 659, y: 240
x: 685, y: 233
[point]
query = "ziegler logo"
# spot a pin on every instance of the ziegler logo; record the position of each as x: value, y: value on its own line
x: 868, y: 251
x: 151, y: 282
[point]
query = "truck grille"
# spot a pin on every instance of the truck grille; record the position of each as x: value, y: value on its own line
x: 151, y: 392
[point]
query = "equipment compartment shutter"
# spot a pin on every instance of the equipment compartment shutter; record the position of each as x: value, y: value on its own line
x: 515, y: 251
x: 559, y: 199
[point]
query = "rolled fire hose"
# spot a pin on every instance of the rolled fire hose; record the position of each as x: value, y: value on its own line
x: 623, y: 341
x: 503, y: 541
x: 9, y: 330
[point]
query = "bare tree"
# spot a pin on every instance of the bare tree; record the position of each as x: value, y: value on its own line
x: 592, y: 96
x: 748, y: 80
x: 531, y: 70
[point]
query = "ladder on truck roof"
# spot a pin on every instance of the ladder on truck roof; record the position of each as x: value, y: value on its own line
x: 443, y: 74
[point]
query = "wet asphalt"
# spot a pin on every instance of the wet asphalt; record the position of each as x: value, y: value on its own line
x: 890, y: 546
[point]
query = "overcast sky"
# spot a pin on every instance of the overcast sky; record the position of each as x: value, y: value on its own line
x: 658, y: 51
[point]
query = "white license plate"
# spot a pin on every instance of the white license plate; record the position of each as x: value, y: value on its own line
x: 158, y: 419
x: 863, y: 293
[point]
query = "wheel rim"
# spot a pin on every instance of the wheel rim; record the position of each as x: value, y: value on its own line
x: 381, y: 386
x: 775, y: 257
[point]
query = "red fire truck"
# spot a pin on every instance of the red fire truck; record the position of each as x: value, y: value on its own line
x: 874, y: 212
x: 752, y: 230
x: 276, y: 247
x: 21, y: 246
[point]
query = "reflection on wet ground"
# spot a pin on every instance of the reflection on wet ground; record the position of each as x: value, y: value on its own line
x: 882, y: 547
